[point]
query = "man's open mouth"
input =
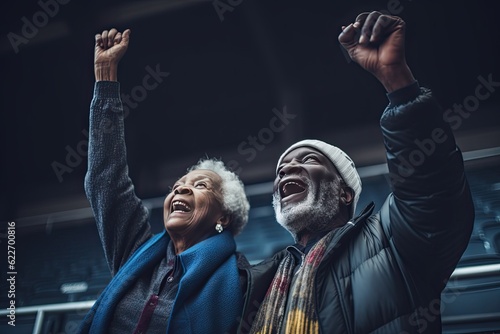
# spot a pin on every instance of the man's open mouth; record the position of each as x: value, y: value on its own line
x: 180, y: 206
x: 290, y: 187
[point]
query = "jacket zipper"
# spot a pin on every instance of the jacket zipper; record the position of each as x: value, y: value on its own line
x: 336, y: 282
x: 303, y: 258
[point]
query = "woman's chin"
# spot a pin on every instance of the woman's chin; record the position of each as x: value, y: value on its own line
x: 177, y: 220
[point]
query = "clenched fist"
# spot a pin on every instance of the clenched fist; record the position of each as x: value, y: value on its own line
x: 376, y: 42
x: 110, y: 46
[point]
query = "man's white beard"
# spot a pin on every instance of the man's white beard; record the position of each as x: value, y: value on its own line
x: 310, y: 214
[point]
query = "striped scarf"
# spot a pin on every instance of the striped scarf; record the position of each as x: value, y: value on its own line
x: 302, y: 317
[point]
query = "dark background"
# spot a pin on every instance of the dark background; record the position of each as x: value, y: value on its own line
x: 226, y: 76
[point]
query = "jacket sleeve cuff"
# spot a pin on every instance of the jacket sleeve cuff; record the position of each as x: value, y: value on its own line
x: 404, y: 95
x: 107, y: 90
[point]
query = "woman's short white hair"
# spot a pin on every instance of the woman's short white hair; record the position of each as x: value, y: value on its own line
x: 235, y: 201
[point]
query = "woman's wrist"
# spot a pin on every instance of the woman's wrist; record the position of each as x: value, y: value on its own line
x: 105, y: 72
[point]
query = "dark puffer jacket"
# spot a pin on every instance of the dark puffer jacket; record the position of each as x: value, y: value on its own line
x: 385, y: 272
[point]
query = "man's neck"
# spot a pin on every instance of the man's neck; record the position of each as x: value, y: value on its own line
x: 308, y: 239
x: 305, y: 238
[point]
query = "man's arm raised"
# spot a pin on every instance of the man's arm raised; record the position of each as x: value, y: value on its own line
x: 431, y: 211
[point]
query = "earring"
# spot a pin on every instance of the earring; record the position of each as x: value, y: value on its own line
x: 219, y: 228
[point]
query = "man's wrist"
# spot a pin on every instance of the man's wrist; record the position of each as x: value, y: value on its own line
x: 404, y: 95
x: 106, y: 72
x: 396, y: 78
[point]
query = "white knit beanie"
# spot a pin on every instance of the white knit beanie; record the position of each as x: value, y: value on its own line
x: 340, y: 160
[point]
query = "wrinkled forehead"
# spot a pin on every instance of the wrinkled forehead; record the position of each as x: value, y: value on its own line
x: 201, y: 174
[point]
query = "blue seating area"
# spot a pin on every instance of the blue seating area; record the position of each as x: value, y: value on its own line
x: 47, y: 258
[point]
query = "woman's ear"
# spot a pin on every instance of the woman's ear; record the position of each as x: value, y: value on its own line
x: 224, y: 220
x: 346, y: 196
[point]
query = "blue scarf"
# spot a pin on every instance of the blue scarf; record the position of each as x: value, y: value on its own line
x: 209, y: 297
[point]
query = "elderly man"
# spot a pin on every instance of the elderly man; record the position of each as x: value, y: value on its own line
x: 379, y: 272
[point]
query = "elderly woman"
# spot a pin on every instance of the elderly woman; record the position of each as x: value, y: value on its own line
x: 184, y: 280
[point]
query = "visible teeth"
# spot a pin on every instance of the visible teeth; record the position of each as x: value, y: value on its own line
x: 292, y: 187
x: 176, y: 203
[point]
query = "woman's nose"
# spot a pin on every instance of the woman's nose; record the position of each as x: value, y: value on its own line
x: 182, y: 190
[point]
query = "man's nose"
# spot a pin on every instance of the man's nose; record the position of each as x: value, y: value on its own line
x: 292, y: 167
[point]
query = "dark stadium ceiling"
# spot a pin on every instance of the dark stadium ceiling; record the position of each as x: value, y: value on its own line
x: 246, y: 79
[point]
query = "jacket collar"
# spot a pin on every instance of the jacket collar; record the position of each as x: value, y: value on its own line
x: 345, y: 231
x: 367, y: 211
